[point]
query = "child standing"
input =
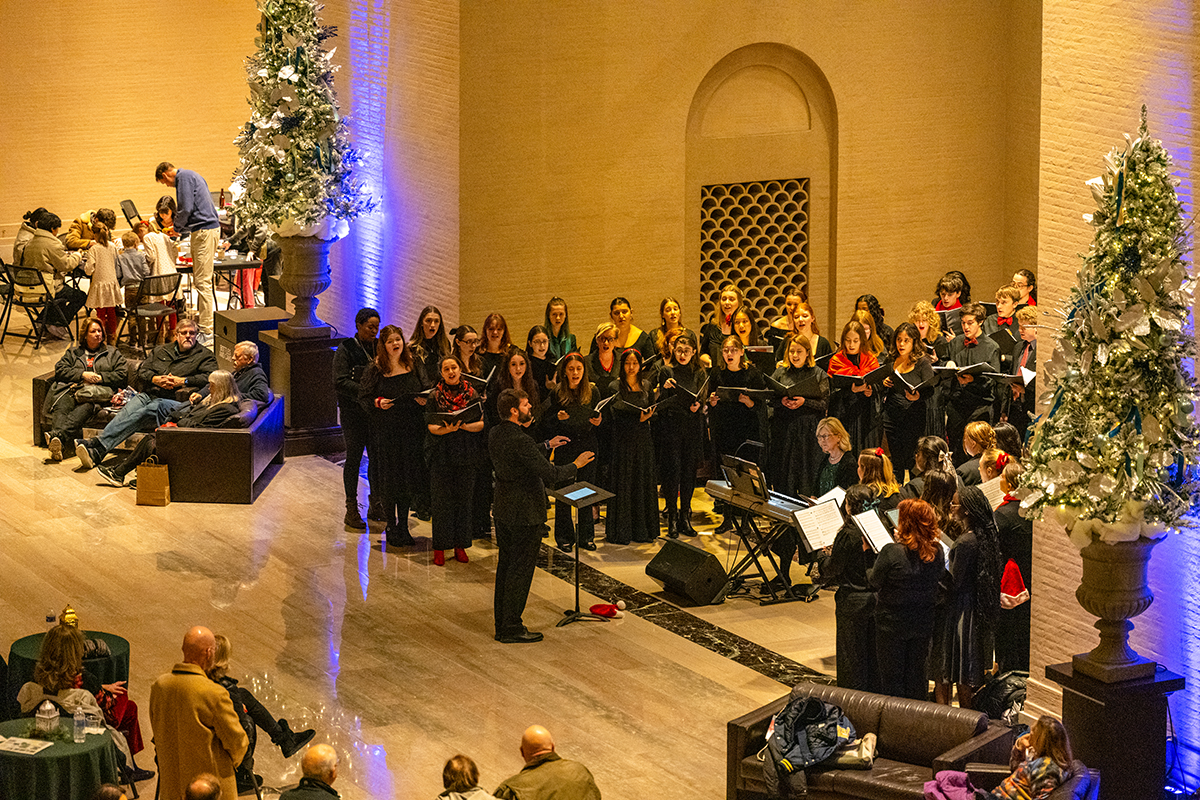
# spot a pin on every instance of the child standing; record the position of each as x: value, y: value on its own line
x: 104, y: 295
x: 132, y: 269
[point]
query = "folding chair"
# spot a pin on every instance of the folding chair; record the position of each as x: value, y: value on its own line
x: 6, y: 294
x: 155, y: 300
x: 131, y: 212
x: 31, y: 293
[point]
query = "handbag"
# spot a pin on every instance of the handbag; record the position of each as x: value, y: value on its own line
x: 93, y: 393
x: 153, y: 483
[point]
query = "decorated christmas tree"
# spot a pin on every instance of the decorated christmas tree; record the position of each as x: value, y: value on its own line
x: 1114, y: 455
x: 296, y: 158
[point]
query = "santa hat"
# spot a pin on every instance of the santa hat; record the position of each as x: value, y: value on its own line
x: 1012, y: 586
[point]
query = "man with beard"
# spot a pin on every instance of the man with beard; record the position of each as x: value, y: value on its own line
x: 522, y: 472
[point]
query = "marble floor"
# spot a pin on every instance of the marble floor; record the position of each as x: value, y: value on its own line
x: 390, y: 657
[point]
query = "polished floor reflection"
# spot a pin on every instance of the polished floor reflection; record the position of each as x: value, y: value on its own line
x: 390, y: 657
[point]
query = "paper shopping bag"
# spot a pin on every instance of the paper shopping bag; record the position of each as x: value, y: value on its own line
x: 153, y: 483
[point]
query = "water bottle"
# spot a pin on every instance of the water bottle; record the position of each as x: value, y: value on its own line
x: 80, y: 725
x: 51, y: 618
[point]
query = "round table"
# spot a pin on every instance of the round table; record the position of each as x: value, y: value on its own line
x: 24, y: 655
x: 63, y: 771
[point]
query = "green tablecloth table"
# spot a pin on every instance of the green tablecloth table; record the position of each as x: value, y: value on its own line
x: 63, y: 771
x: 24, y: 655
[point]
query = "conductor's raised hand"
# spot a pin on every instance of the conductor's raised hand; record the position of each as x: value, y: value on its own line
x: 558, y: 441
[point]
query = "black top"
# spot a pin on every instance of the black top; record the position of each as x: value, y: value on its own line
x: 690, y: 377
x: 847, y: 563
x: 815, y: 389
x: 896, y: 401
x: 979, y: 391
x: 906, y: 589
x: 194, y: 366
x: 843, y: 474
x: 251, y: 381
x: 310, y: 789
x: 577, y: 426
x: 968, y: 472
x: 349, y: 363
x: 1016, y: 538
x: 541, y: 369
x: 600, y: 376
x: 522, y: 472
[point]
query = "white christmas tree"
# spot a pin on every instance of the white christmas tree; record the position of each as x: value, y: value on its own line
x: 296, y: 158
x: 1115, y: 453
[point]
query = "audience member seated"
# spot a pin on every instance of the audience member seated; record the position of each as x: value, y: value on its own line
x: 251, y: 380
x: 46, y: 253
x: 252, y: 714
x: 204, y: 787
x: 195, y: 727
x: 85, y: 378
x: 460, y: 776
x: 213, y: 411
x: 26, y: 233
x: 59, y: 676
x: 80, y: 235
x: 547, y: 774
x: 320, y: 768
x: 183, y: 362
x: 1040, y: 762
x: 109, y: 791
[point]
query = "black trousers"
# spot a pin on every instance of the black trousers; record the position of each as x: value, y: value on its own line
x: 67, y: 418
x: 452, y: 487
x: 519, y: 546
x: 681, y: 451
x: 902, y: 664
x: 354, y: 434
x: 481, y: 498
x: 64, y: 307
x: 146, y: 447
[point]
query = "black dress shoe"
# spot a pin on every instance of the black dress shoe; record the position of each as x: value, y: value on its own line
x: 525, y: 637
x: 589, y: 546
x: 397, y: 537
x: 566, y: 548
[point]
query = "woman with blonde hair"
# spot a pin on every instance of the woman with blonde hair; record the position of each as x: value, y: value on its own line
x: 905, y: 578
x: 602, y: 364
x: 875, y: 472
x: 713, y: 332
x: 978, y: 437
x: 836, y: 469
x: 795, y: 457
x: 937, y: 349
x: 253, y: 715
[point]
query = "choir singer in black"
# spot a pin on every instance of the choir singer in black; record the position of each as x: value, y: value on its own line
x: 522, y: 472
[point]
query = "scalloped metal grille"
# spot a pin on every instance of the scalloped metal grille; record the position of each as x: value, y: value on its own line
x: 755, y: 236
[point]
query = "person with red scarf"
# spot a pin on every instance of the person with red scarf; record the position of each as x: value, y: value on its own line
x: 855, y: 406
x: 454, y: 449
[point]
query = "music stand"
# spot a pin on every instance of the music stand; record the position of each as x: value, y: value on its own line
x: 579, y: 496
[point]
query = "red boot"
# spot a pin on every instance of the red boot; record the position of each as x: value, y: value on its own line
x: 439, y: 557
x: 460, y: 555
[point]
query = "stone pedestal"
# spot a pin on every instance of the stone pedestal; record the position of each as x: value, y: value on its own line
x: 1119, y: 728
x: 302, y: 371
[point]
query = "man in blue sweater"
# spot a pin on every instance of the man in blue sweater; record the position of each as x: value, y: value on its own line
x: 197, y: 216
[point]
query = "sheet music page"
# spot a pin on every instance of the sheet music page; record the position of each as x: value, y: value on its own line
x: 872, y: 527
x: 819, y: 524
x: 1027, y: 375
x: 993, y: 492
x: 837, y: 494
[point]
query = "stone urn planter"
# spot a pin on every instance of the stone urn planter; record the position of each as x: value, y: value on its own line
x: 305, y: 264
x: 1114, y: 589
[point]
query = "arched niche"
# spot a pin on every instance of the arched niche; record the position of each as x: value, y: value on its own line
x: 762, y: 126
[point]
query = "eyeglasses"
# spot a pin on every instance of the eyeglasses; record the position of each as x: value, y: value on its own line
x: 471, y: 342
x: 606, y: 339
x: 731, y: 349
x: 825, y: 436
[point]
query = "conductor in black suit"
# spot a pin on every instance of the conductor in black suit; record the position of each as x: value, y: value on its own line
x: 522, y: 472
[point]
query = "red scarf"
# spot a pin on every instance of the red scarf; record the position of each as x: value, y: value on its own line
x: 454, y: 398
x: 1008, y: 498
x: 840, y: 364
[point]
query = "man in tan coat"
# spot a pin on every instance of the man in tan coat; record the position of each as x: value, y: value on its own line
x: 195, y: 726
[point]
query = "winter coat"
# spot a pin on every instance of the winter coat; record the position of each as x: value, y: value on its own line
x: 46, y: 254
x: 110, y: 365
x: 806, y: 732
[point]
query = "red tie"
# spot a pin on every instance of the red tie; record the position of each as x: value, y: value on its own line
x: 1004, y: 320
x: 970, y: 342
x: 1025, y: 355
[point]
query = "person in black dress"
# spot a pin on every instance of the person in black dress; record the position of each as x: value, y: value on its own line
x: 541, y: 366
x: 905, y: 578
x: 794, y: 455
x: 745, y: 327
x: 785, y: 324
x: 604, y: 367
x: 904, y: 410
x: 937, y: 350
x: 466, y: 347
x: 633, y: 513
x: 496, y: 343
x: 570, y: 413
x: 838, y: 467
x: 977, y: 438
x: 713, y: 333
x: 681, y: 422
x: 430, y: 341
x: 964, y: 633
x: 629, y: 336
x: 453, y: 459
x: 1015, y: 534
x: 390, y: 393
x: 735, y: 417
x: 856, y: 405
x: 845, y: 564
x: 349, y: 362
x: 671, y: 314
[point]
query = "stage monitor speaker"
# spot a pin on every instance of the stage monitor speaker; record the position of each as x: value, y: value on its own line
x: 689, y: 571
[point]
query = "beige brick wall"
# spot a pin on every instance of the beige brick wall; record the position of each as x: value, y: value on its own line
x: 573, y: 145
x: 1099, y: 64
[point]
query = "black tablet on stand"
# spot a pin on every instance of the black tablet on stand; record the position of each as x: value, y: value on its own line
x: 579, y: 496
